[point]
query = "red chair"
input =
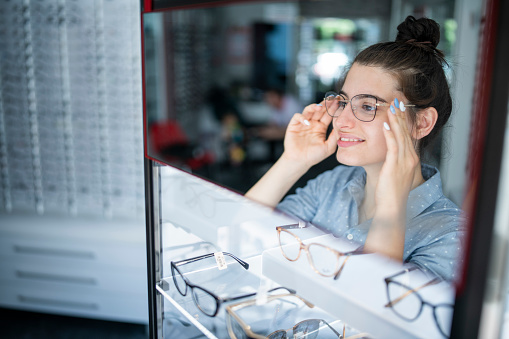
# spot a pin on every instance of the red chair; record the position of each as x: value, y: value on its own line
x: 169, y: 141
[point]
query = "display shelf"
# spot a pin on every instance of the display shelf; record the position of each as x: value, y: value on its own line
x: 214, y: 214
x: 359, y: 295
x: 188, y: 320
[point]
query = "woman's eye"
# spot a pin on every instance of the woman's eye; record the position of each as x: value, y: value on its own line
x: 369, y: 108
x: 342, y: 104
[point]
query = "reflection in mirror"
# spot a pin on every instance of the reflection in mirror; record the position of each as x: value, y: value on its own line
x: 222, y: 84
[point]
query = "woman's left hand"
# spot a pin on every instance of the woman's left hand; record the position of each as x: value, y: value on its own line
x: 399, y: 174
x: 399, y: 171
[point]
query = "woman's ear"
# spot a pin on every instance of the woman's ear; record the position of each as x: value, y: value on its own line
x: 425, y: 122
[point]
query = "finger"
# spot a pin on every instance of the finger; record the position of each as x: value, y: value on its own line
x: 399, y: 125
x: 332, y: 142
x: 398, y: 132
x: 392, y: 144
x: 299, y: 119
x: 310, y: 111
x: 319, y: 112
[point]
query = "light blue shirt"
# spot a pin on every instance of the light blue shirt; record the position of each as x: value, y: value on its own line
x: 435, y: 225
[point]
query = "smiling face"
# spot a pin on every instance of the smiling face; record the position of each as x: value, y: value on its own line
x: 363, y: 143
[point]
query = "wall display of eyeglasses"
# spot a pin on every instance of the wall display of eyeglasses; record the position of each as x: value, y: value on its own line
x: 71, y: 164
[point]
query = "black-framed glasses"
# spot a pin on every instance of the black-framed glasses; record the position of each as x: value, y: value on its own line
x: 364, y: 106
x: 206, y: 301
x: 324, y: 260
x: 408, y: 304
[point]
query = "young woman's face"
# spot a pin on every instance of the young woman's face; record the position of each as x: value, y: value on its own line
x: 363, y: 143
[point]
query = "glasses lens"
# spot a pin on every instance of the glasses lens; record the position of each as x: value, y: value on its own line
x: 290, y: 245
x: 324, y: 260
x: 307, y: 329
x: 277, y: 335
x: 205, y: 301
x: 406, y: 303
x: 235, y: 330
x: 443, y: 317
x: 364, y: 107
x: 333, y: 104
x: 179, y: 281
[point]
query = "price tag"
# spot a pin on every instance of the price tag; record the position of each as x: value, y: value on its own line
x: 221, y: 263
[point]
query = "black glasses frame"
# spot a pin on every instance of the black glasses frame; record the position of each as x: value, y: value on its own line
x: 192, y: 287
x: 410, y: 290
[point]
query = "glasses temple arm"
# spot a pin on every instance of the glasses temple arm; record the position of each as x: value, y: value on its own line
x: 336, y: 277
x: 406, y: 270
x: 292, y: 226
x: 191, y: 260
x: 333, y: 329
x: 410, y: 291
x: 254, y: 293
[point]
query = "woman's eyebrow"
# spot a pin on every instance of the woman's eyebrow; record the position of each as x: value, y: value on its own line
x: 341, y: 92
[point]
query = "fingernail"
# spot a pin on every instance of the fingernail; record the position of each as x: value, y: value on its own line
x: 307, y: 123
x: 402, y: 106
x: 386, y: 126
x: 396, y: 102
x: 393, y: 110
x: 319, y: 105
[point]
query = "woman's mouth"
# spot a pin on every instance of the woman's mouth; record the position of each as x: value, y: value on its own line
x: 347, y: 142
x: 350, y: 139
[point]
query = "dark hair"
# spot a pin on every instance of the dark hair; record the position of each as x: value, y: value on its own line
x: 418, y: 66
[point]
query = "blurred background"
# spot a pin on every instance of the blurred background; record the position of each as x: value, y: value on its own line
x: 72, y: 222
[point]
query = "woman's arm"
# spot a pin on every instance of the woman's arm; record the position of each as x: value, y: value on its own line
x: 400, y: 173
x: 305, y: 145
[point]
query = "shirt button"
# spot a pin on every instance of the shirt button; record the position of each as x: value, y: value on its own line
x: 349, y: 237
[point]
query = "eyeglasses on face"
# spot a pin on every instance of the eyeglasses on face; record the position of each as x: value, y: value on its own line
x: 364, y: 106
x: 328, y: 263
x: 408, y: 304
x: 206, y: 301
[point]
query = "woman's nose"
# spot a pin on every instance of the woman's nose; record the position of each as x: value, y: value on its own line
x: 346, y: 118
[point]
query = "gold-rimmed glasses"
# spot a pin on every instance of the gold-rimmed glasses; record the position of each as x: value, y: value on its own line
x: 309, y: 328
x: 364, y: 106
x: 407, y: 303
x: 328, y: 263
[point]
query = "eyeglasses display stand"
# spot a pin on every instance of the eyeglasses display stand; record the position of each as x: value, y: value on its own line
x: 359, y: 295
x: 199, y: 220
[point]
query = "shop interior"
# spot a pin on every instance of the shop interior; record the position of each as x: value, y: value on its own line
x: 220, y: 110
x: 91, y: 91
x: 223, y: 82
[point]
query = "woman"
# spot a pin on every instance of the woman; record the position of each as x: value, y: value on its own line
x: 394, y: 100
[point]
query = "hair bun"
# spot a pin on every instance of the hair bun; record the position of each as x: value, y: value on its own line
x: 421, y: 30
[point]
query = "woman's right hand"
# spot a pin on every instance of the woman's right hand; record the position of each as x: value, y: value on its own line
x: 305, y: 139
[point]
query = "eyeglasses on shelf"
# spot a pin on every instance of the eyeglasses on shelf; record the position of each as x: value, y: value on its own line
x: 408, y: 304
x: 309, y: 328
x: 206, y: 301
x: 324, y: 260
x: 239, y: 329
